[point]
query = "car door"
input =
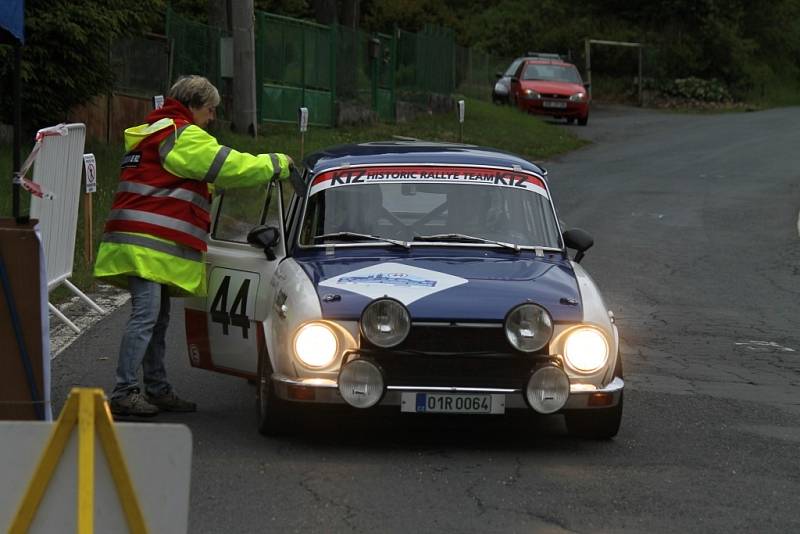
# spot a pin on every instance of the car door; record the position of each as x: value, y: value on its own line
x: 224, y: 331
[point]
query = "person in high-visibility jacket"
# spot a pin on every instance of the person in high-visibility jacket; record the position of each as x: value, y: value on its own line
x: 155, y: 236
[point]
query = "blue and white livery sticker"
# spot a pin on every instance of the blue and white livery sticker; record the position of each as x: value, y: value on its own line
x: 402, y: 282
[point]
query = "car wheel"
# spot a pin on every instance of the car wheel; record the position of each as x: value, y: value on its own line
x: 273, y: 418
x: 584, y: 121
x: 597, y: 423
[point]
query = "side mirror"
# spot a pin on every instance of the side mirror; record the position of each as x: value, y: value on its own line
x: 579, y: 240
x: 587, y: 86
x: 264, y: 237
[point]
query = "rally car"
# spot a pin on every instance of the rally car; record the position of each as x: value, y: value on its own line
x: 412, y: 276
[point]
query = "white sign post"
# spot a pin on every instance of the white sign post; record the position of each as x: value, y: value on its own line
x: 302, y: 119
x: 460, y: 121
x: 90, y: 166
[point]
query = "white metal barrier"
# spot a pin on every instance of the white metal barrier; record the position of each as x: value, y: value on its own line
x: 58, y: 170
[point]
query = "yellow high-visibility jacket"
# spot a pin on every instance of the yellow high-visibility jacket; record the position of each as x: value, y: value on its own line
x: 186, y: 153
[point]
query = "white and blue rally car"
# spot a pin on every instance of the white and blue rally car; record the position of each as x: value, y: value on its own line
x: 430, y: 277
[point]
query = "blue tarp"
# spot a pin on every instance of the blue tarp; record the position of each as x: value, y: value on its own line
x: 12, y: 17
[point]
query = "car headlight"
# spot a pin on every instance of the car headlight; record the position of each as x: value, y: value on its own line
x: 586, y: 350
x: 385, y: 322
x: 530, y: 93
x: 316, y: 345
x: 528, y: 327
x: 578, y: 97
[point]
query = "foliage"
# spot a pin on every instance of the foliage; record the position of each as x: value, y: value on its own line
x: 696, y: 89
x: 65, y: 57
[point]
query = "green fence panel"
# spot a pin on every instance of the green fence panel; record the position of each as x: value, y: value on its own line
x: 280, y: 103
x: 295, y: 67
x: 195, y: 50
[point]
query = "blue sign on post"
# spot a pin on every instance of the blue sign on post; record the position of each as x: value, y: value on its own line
x: 12, y: 18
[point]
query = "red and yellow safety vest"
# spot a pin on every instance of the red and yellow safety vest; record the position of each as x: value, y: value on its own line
x: 159, y: 220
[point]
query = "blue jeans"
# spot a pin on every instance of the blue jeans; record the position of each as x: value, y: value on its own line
x: 143, y: 344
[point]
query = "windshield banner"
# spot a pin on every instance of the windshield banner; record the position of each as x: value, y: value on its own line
x: 430, y: 174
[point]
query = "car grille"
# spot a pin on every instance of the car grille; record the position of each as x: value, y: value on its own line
x: 456, y: 356
x: 553, y: 95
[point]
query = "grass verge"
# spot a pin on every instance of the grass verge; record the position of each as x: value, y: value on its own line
x: 486, y: 124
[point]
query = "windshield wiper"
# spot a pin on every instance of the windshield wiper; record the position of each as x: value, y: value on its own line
x: 355, y: 235
x: 466, y: 238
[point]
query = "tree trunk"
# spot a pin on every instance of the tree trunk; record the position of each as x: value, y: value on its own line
x: 325, y: 11
x: 244, y: 67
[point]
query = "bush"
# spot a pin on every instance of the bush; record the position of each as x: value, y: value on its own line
x: 696, y: 89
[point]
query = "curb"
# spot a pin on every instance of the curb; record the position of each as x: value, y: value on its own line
x: 107, y: 297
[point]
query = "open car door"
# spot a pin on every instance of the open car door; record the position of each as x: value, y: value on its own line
x: 224, y: 331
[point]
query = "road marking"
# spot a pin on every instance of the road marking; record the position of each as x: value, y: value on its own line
x: 798, y: 223
x: 763, y: 346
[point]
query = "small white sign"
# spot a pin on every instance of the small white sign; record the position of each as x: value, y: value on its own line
x: 158, y: 101
x: 302, y: 116
x: 460, y: 111
x: 90, y: 165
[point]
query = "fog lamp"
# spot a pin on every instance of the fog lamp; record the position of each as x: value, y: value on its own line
x: 548, y: 389
x: 361, y: 383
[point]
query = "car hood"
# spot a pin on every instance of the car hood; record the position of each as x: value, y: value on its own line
x: 455, y: 286
x: 556, y: 88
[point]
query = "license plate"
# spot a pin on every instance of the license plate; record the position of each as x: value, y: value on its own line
x: 477, y: 403
x: 549, y: 104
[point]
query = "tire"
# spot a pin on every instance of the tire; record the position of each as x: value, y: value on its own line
x: 584, y: 121
x: 597, y: 423
x: 272, y: 412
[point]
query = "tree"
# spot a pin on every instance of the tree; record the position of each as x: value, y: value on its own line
x: 65, y: 59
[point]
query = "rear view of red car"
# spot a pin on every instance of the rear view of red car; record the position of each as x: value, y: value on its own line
x: 547, y: 85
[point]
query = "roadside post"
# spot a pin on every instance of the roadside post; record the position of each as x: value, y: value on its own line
x: 90, y: 168
x: 461, y: 121
x: 158, y: 101
x: 302, y: 119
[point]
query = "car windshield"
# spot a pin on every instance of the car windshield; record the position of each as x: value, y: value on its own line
x: 476, y: 206
x: 549, y: 72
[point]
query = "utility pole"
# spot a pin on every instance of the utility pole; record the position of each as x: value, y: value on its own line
x: 244, y: 67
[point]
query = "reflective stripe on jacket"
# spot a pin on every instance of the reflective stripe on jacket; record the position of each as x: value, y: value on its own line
x: 151, y: 200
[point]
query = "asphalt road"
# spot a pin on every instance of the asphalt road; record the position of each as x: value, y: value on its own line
x: 695, y: 219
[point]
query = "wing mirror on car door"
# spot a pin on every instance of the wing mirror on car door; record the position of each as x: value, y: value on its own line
x: 579, y: 240
x: 264, y: 237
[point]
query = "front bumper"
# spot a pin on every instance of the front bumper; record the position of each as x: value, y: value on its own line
x: 325, y: 391
x: 571, y: 109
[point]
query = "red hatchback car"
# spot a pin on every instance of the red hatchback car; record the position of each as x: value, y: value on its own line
x: 548, y: 86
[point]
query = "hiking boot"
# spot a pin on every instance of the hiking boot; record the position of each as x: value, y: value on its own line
x: 133, y: 404
x: 170, y: 402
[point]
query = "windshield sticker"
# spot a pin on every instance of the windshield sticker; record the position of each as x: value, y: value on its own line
x: 402, y: 282
x: 436, y: 175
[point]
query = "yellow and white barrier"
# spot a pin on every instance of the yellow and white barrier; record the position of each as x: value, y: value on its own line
x: 71, y: 485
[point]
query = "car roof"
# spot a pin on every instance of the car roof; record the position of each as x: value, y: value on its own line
x: 545, y: 61
x: 415, y: 152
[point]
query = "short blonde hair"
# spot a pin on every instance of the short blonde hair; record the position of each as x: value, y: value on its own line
x: 194, y: 92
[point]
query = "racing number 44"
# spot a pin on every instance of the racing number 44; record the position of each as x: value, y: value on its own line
x: 237, y: 314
